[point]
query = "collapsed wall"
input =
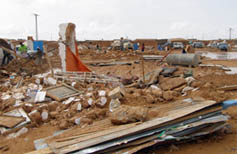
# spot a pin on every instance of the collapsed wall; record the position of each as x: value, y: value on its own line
x: 68, y: 50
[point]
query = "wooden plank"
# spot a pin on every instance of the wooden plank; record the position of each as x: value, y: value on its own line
x: 55, y: 145
x: 228, y: 88
x: 42, y: 151
x: 144, y: 126
x: 133, y: 149
x: 203, y: 112
x: 126, y: 143
x: 10, y: 121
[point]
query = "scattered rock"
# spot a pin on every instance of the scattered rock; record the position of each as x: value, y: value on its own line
x: 54, y: 114
x: 168, y: 95
x: 52, y: 106
x: 127, y: 114
x: 101, y: 101
x: 207, y: 85
x: 149, y: 99
x: 186, y: 89
x: 79, y: 107
x: 102, y: 93
x: 7, y: 103
x: 153, y: 77
x: 157, y: 92
x: 28, y: 108
x: 87, y: 121
x: 35, y: 117
x: 117, y: 93
x: 101, y: 113
x: 155, y: 113
x: 45, y: 115
x: 114, y: 104
x: 179, y: 89
x: 189, y: 80
x: 64, y: 125
x: 50, y: 81
x: 91, y: 115
x: 77, y: 121
x: 172, y: 83
x: 85, y: 104
x: 196, y: 84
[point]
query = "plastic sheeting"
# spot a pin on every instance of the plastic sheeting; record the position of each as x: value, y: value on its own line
x: 229, y: 103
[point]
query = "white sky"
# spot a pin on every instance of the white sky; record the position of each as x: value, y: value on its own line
x: 110, y: 19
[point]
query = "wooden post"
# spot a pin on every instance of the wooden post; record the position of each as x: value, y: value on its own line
x: 48, y: 59
x: 143, y: 70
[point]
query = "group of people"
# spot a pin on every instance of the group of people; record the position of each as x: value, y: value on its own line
x: 8, y: 49
x: 136, y: 46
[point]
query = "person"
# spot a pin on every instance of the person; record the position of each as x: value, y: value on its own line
x: 183, y: 51
x: 135, y: 46
x: 7, y: 57
x: 143, y: 47
x: 121, y: 44
x: 159, y: 48
x: 39, y: 55
x: 23, y: 48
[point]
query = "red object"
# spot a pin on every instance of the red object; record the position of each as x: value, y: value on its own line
x: 73, y: 62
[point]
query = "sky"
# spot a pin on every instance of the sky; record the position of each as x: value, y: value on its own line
x: 112, y: 19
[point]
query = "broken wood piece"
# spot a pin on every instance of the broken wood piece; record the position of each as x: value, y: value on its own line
x: 228, y: 88
x: 143, y: 71
x: 10, y: 121
x: 42, y: 151
x: 4, y: 148
x: 20, y: 113
x: 111, y: 64
x: 85, y: 77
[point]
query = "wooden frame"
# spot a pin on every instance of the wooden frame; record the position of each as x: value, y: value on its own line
x: 73, y: 92
x: 85, y: 77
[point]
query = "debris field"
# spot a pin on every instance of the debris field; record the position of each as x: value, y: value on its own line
x: 131, y: 102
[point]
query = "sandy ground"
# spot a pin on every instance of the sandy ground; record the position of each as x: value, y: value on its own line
x: 213, y: 144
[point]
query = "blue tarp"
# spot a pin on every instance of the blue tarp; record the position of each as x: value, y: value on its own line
x: 229, y: 103
x: 37, y: 44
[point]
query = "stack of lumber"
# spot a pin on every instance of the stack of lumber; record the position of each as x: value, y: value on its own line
x: 186, y: 121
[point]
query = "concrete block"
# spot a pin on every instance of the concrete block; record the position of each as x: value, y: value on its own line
x: 117, y: 93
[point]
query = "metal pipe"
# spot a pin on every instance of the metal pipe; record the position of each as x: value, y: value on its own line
x: 183, y: 59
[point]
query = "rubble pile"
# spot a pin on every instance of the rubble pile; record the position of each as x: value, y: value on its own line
x: 27, y: 66
x: 131, y: 102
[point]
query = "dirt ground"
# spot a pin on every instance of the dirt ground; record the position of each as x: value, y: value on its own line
x: 210, y: 78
